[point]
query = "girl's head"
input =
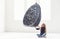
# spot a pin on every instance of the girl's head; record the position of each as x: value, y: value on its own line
x: 43, y: 25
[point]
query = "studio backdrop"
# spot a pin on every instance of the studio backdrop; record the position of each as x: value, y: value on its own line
x: 15, y: 10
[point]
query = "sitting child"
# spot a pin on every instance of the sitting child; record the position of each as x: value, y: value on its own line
x: 43, y: 30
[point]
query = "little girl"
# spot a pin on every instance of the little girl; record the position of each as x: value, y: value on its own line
x: 43, y: 30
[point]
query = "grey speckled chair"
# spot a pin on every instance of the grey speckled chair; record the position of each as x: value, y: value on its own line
x: 33, y: 16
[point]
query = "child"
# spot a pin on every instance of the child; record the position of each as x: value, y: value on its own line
x: 43, y: 30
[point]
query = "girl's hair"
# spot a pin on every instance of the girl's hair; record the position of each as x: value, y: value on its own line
x: 43, y: 25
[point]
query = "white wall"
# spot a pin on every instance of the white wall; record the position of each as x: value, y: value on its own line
x: 2, y: 12
x: 15, y: 9
x: 53, y: 26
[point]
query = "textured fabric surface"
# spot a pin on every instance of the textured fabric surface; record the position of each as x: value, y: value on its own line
x: 32, y: 16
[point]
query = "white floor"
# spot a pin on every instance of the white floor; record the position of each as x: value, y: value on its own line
x: 27, y: 36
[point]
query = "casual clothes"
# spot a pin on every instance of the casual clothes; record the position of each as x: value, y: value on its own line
x: 42, y: 33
